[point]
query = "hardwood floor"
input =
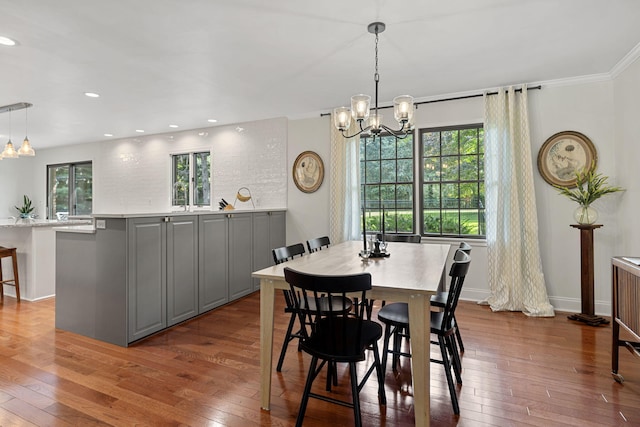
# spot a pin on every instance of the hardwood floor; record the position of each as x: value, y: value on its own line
x: 517, y: 371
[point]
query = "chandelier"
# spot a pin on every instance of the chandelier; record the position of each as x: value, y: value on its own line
x: 360, y: 106
x: 25, y: 149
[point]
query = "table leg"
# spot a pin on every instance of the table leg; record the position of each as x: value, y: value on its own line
x: 266, y: 341
x: 420, y: 354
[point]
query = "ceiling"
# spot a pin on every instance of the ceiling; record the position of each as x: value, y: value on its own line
x: 157, y: 63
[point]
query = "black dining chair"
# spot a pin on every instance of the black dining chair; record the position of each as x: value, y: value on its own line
x: 335, y: 336
x: 280, y: 255
x: 287, y: 253
x: 318, y: 243
x: 395, y: 317
x: 440, y: 298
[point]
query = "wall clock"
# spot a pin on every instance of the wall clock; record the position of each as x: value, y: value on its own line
x: 562, y: 155
x: 308, y: 171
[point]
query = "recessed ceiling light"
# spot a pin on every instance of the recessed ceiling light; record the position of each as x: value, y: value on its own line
x: 212, y: 121
x: 6, y: 41
x: 92, y: 95
x: 108, y: 134
x: 139, y: 130
x: 173, y: 126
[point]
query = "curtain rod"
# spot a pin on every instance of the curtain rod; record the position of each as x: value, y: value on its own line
x: 455, y: 98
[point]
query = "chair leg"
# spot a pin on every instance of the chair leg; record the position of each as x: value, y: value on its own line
x: 382, y: 395
x: 285, y: 344
x: 396, y: 348
x: 458, y: 336
x: 307, y: 391
x: 455, y: 358
x: 16, y: 281
x: 447, y: 372
x: 355, y: 394
x: 385, y: 348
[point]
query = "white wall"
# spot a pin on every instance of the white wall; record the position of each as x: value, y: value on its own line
x: 133, y: 175
x: 627, y: 148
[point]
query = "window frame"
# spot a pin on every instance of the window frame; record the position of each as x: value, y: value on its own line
x: 379, y: 202
x: 190, y: 201
x: 420, y: 187
x: 71, y: 196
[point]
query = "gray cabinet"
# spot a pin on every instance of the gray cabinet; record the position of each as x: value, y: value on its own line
x: 240, y: 260
x: 162, y: 268
x: 213, y: 262
x: 268, y: 233
x: 147, y: 304
x: 136, y: 276
x: 182, y: 268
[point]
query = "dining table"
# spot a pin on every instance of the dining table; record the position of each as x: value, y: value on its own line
x: 411, y: 273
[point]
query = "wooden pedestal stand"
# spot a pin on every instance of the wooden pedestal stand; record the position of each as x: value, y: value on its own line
x: 587, y: 277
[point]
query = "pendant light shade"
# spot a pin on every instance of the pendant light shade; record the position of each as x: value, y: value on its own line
x: 26, y: 149
x: 9, y: 152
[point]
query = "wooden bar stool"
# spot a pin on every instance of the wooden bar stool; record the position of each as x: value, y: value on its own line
x: 15, y: 282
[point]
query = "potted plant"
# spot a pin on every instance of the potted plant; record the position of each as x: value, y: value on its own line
x: 26, y: 208
x: 590, y: 186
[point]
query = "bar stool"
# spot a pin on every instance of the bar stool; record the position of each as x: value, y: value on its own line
x: 15, y: 282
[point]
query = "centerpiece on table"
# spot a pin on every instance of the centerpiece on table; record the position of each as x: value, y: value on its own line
x: 590, y: 186
x: 26, y: 208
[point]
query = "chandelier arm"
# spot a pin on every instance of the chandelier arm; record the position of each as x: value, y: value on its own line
x: 355, y: 134
x: 401, y: 133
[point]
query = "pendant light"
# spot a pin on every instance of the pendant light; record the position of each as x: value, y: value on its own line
x: 9, y: 152
x: 25, y: 148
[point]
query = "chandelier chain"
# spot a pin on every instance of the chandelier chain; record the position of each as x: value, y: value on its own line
x: 376, y: 76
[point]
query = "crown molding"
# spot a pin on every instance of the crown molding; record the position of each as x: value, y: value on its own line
x: 625, y: 62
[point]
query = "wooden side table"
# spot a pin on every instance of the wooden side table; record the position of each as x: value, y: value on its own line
x: 587, y: 277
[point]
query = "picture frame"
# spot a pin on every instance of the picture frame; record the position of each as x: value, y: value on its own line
x: 308, y: 171
x: 562, y: 154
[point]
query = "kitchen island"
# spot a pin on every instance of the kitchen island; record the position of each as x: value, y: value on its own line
x: 34, y: 240
x: 137, y: 274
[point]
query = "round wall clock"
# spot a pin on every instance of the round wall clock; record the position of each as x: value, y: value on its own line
x: 562, y: 155
x: 308, y: 171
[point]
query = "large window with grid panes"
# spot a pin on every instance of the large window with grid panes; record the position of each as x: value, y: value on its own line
x: 452, y: 181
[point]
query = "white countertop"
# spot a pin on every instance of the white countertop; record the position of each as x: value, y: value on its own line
x: 182, y: 213
x: 25, y: 223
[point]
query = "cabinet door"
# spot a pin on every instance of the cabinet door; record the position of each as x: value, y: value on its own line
x: 240, y: 255
x: 147, y: 305
x: 268, y: 233
x: 182, y: 268
x: 213, y: 260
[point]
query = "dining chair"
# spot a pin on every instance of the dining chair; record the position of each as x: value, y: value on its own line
x: 395, y: 317
x: 335, y: 336
x: 440, y: 298
x: 318, y: 243
x: 287, y: 253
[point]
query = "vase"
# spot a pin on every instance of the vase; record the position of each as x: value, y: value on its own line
x: 25, y: 216
x: 585, y: 215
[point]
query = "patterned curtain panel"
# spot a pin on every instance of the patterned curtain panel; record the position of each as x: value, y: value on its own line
x: 515, y: 269
x: 344, y: 190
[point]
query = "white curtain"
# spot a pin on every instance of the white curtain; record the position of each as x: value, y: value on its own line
x: 515, y: 269
x: 344, y: 193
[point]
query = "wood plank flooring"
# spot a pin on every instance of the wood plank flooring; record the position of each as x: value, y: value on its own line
x: 517, y: 371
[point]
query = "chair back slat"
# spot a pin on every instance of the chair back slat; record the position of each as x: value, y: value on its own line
x: 317, y: 244
x: 286, y: 253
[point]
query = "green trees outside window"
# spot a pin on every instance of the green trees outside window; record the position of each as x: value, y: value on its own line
x: 453, y: 181
x: 191, y: 179
x: 69, y: 189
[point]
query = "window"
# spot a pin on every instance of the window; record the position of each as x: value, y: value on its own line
x: 191, y: 179
x: 69, y: 189
x: 452, y: 181
x: 386, y: 177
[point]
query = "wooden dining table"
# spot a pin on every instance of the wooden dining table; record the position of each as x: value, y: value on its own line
x: 412, y: 273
